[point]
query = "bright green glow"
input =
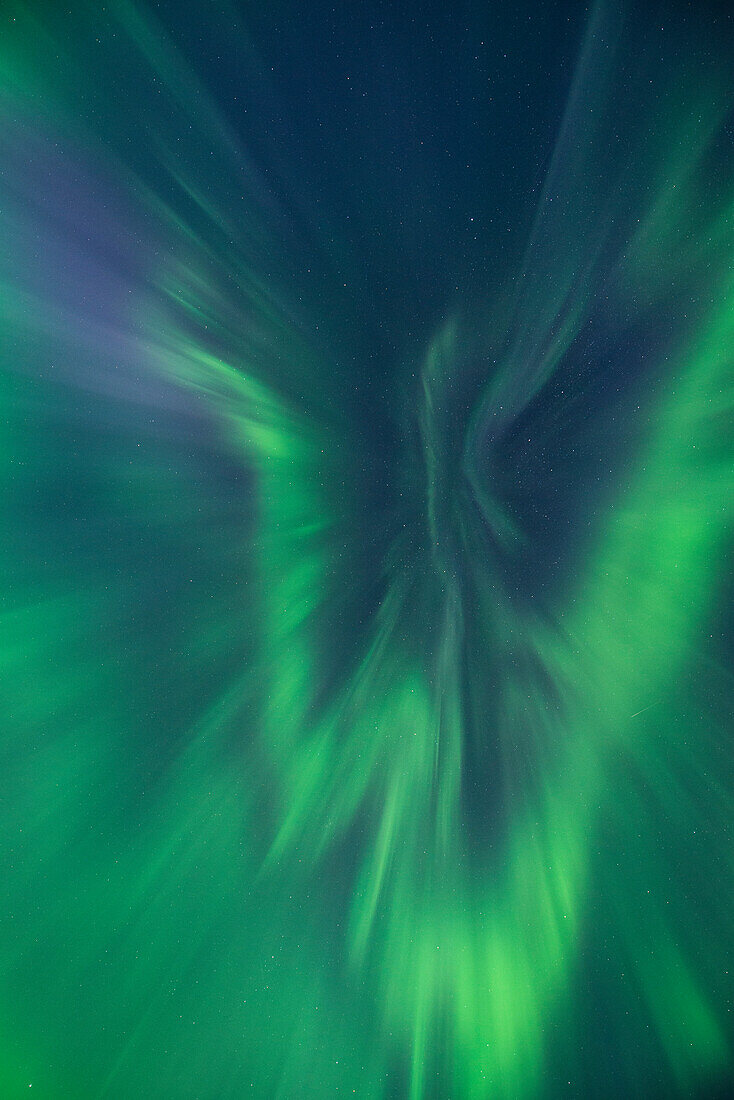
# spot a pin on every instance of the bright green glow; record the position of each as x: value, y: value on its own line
x: 238, y: 854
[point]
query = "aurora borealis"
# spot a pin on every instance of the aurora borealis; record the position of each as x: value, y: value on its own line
x: 367, y: 482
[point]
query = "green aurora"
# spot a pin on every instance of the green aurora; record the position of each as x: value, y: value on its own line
x: 362, y: 737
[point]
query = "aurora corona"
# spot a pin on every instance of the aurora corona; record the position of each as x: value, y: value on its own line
x: 367, y: 487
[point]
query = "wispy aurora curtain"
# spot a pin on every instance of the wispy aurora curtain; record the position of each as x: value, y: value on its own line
x: 365, y: 561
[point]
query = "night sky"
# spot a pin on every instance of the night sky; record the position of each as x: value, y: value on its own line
x: 367, y: 496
